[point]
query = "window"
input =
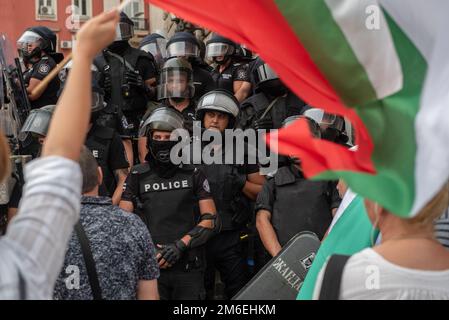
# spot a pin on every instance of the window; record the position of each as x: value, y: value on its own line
x: 82, y: 8
x: 136, y: 11
x: 46, y: 10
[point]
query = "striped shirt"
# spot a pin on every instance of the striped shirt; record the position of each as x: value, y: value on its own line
x: 442, y: 229
x: 34, y: 246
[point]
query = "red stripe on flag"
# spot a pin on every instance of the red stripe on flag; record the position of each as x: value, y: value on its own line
x: 260, y: 25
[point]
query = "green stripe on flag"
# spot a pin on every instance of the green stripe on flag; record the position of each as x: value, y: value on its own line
x: 391, y: 124
x: 317, y: 30
x: 351, y: 234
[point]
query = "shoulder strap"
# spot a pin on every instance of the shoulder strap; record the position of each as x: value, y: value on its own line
x: 121, y: 59
x: 89, y: 261
x: 330, y: 287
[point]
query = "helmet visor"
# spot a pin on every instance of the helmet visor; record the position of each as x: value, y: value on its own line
x: 265, y: 73
x: 124, y: 31
x: 320, y: 116
x: 37, y: 123
x: 175, y: 84
x: 183, y: 49
x: 218, y: 49
x: 29, y: 40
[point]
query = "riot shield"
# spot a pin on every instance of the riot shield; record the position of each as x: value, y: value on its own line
x: 282, y: 277
x: 14, y: 97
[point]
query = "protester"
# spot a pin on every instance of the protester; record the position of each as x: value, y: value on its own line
x: 33, y: 249
x: 123, y: 252
x: 409, y: 263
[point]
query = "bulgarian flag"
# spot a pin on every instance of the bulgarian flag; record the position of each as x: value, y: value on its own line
x: 382, y: 64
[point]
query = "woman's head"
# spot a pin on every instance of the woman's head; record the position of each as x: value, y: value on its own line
x: 4, y: 157
x: 422, y: 221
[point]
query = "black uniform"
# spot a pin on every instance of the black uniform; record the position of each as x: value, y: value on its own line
x: 112, y: 117
x: 39, y: 71
x: 131, y: 100
x: 188, y: 113
x: 224, y: 251
x: 169, y: 207
x: 254, y: 107
x: 202, y: 80
x: 297, y: 204
x: 234, y: 72
x: 108, y: 149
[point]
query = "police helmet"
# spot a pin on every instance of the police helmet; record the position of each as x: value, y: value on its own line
x: 42, y: 38
x: 218, y: 100
x: 220, y: 46
x: 37, y: 122
x: 176, y: 80
x: 163, y: 119
x: 156, y: 45
x: 125, y: 28
x: 313, y: 125
x: 183, y: 44
x: 325, y: 120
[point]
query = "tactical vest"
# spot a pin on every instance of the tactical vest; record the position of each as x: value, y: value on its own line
x: 254, y: 107
x: 299, y: 205
x: 99, y: 141
x: 227, y: 201
x: 168, y: 203
x: 117, y: 66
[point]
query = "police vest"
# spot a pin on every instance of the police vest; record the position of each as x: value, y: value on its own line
x: 99, y: 141
x: 299, y: 205
x: 254, y: 107
x: 227, y: 201
x: 122, y: 95
x: 168, y: 203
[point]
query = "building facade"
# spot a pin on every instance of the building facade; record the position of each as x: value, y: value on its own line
x: 65, y: 17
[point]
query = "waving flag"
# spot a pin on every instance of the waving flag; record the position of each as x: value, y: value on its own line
x: 382, y: 64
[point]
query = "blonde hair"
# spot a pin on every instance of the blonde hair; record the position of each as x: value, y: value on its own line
x: 433, y: 209
x: 4, y: 157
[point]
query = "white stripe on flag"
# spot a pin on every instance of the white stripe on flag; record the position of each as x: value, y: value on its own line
x: 374, y: 48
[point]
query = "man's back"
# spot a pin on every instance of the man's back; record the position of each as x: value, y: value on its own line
x: 122, y: 249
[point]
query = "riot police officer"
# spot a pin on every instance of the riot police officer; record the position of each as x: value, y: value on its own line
x: 186, y: 45
x: 289, y: 203
x: 233, y: 187
x: 332, y: 126
x: 176, y: 205
x: 156, y: 45
x: 111, y: 116
x: 176, y: 89
x: 228, y: 75
x: 107, y: 148
x: 37, y: 47
x: 129, y: 78
x: 272, y: 102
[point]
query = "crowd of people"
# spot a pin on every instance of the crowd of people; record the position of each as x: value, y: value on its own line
x: 106, y: 213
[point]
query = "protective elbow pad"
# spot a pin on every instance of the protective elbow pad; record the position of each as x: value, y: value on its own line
x: 200, y: 235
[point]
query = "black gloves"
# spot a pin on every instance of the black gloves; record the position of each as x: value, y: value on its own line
x: 263, y: 124
x: 134, y: 79
x: 173, y: 252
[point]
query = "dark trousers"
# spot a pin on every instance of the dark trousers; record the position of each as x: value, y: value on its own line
x: 224, y: 253
x: 181, y: 285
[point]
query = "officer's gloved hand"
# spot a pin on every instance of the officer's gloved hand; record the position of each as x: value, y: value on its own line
x: 134, y: 79
x: 173, y: 252
x: 263, y: 124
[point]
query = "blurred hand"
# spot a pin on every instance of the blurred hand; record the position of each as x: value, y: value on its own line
x: 96, y: 34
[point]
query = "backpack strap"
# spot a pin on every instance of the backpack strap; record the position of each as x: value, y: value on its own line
x: 89, y: 261
x: 330, y: 287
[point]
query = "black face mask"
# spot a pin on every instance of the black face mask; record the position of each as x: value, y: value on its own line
x: 330, y: 134
x: 118, y: 46
x: 160, y: 151
x: 222, y: 62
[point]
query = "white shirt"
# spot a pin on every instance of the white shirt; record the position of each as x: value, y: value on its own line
x: 37, y: 238
x: 368, y: 276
